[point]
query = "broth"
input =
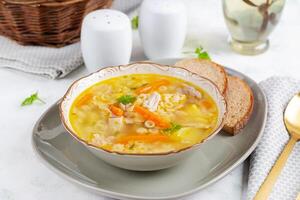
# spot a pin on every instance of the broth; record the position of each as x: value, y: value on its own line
x: 143, y: 114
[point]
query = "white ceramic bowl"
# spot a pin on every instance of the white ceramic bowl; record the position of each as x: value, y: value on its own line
x: 141, y: 162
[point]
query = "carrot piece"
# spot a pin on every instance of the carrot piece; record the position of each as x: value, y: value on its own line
x: 84, y: 100
x: 143, y: 138
x: 206, y: 104
x: 152, y: 86
x: 143, y: 89
x: 159, y: 121
x: 116, y: 111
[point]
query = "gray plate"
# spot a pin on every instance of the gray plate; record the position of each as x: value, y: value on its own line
x: 215, y: 159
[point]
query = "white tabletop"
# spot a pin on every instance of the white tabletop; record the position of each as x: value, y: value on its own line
x: 23, y: 176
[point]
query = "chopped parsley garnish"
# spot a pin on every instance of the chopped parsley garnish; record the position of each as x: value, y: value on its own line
x: 126, y: 99
x: 131, y: 146
x: 174, y: 128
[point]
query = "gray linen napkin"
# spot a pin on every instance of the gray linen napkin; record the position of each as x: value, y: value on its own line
x: 278, y: 90
x: 46, y: 61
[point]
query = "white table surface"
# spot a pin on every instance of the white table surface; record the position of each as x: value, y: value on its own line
x: 23, y: 176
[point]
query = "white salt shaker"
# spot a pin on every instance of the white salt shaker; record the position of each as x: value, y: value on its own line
x: 106, y: 39
x: 162, y: 27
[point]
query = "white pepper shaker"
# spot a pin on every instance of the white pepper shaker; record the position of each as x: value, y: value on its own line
x: 106, y: 39
x: 162, y: 28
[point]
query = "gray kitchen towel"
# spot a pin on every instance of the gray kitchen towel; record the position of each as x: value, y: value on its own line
x: 46, y: 61
x: 278, y: 90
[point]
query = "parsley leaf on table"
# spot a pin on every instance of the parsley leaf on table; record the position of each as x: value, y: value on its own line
x: 135, y: 22
x: 202, y: 54
x: 31, y: 99
x: 199, y: 52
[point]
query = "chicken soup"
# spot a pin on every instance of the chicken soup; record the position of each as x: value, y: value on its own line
x: 143, y: 114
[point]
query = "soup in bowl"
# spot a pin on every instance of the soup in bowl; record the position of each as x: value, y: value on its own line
x: 143, y: 116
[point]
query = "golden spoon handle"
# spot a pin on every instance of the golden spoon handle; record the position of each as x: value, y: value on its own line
x: 298, y: 197
x: 266, y: 188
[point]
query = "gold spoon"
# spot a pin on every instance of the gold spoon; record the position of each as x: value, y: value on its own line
x: 298, y: 197
x: 292, y: 123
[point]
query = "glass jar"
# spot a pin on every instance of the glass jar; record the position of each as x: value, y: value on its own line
x: 250, y: 22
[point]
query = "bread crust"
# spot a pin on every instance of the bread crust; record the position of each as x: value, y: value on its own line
x: 191, y: 63
x: 186, y: 63
x: 244, y: 120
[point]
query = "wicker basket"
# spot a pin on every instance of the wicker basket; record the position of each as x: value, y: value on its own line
x: 45, y: 22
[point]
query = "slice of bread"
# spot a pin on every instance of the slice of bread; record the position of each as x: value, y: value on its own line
x: 238, y: 94
x: 240, y: 102
x: 207, y: 69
